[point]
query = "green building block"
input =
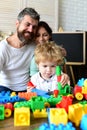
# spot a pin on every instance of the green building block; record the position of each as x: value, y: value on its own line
x: 37, y: 103
x: 64, y: 90
x: 2, y: 112
x: 58, y: 70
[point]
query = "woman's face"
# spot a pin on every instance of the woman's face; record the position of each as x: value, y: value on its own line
x: 42, y: 36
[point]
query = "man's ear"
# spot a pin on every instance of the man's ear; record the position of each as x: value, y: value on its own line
x: 17, y: 23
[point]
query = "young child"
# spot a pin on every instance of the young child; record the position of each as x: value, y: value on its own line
x: 44, y: 34
x: 47, y: 57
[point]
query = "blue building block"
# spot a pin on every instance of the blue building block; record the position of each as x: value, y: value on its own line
x: 40, y: 93
x: 45, y: 126
x: 5, y: 97
x: 83, y: 123
x: 80, y: 82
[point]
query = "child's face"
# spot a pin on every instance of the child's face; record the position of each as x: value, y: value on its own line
x: 47, y: 69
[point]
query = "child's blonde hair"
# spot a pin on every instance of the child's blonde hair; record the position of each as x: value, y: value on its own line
x: 48, y: 51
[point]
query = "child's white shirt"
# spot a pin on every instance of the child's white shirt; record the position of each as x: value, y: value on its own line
x: 42, y: 84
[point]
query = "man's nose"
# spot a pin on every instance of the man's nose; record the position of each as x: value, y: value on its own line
x: 30, y: 28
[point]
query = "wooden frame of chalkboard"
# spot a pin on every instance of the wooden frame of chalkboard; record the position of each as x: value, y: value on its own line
x: 75, y: 45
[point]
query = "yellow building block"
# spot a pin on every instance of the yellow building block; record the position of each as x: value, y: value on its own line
x: 84, y: 90
x: 8, y: 112
x: 85, y: 108
x: 75, y: 113
x: 57, y: 116
x: 85, y: 82
x: 22, y: 116
x: 40, y: 113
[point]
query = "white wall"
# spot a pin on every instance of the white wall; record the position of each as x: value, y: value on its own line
x: 70, y: 14
x: 48, y: 10
x: 73, y: 15
x: 8, y: 13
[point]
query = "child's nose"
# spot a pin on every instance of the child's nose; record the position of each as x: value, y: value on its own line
x: 48, y: 68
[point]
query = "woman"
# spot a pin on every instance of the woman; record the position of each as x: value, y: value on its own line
x: 44, y: 34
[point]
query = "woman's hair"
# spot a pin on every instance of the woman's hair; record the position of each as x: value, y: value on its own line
x: 49, y: 51
x: 47, y: 28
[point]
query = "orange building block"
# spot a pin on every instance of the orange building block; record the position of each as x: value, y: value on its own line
x: 27, y: 95
x: 22, y: 116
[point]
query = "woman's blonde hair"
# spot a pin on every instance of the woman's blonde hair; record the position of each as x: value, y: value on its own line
x: 48, y: 51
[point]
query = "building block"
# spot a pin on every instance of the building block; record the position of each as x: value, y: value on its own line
x: 13, y: 94
x: 80, y: 82
x: 62, y: 90
x: 55, y: 93
x: 68, y: 126
x: 8, y: 112
x: 80, y: 92
x: 58, y: 73
x: 85, y: 109
x: 85, y: 82
x: 2, y: 112
x: 58, y: 70
x: 65, y: 102
x: 5, y: 97
x: 83, y: 123
x: 40, y: 113
x: 9, y: 108
x: 30, y: 84
x: 84, y: 104
x: 4, y: 93
x: 37, y: 103
x: 22, y: 116
x: 75, y: 113
x: 57, y: 116
x: 84, y: 90
x: 22, y: 104
x: 9, y: 105
x: 40, y: 92
x: 27, y: 95
x: 54, y: 100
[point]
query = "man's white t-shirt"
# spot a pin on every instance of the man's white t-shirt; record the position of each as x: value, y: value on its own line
x: 14, y: 65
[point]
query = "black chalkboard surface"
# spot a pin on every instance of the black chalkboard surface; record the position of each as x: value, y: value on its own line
x: 75, y: 45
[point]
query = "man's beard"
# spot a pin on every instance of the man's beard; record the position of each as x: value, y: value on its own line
x: 23, y: 39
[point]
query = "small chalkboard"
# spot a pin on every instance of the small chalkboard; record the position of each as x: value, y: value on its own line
x: 75, y: 45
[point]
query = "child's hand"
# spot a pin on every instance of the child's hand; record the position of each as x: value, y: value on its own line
x: 30, y: 86
x: 65, y: 79
x: 63, y: 51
